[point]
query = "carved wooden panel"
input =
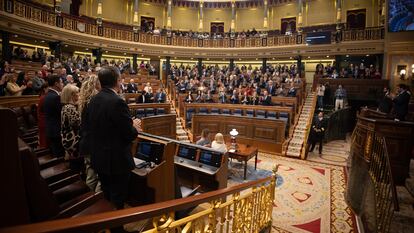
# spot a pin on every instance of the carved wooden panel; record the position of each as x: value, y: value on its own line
x: 162, y: 125
x: 266, y: 134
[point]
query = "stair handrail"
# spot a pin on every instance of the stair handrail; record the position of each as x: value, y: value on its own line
x: 261, y: 199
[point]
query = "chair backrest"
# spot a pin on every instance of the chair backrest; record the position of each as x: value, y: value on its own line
x: 140, y: 113
x: 189, y: 114
x: 202, y: 110
x: 237, y: 112
x: 249, y: 112
x: 225, y: 111
x: 160, y: 111
x: 215, y: 110
x: 271, y: 115
x: 284, y: 115
x: 149, y: 112
x: 260, y: 114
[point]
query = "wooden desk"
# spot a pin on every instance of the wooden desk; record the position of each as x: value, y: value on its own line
x: 243, y: 153
x: 264, y: 133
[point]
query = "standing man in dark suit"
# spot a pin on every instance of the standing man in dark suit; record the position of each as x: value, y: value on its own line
x: 385, y: 103
x: 401, y: 102
x: 111, y: 131
x: 317, y: 132
x: 271, y: 89
x: 52, y: 109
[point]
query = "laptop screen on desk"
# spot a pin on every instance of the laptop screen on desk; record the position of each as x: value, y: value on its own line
x: 150, y: 152
x: 187, y: 152
x: 210, y: 158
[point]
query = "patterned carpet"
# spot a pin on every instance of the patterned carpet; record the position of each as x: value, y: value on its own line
x: 334, y: 153
x: 309, y: 195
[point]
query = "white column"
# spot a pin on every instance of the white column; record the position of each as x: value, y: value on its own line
x: 135, y: 19
x: 233, y: 16
x: 169, y: 13
x: 200, y: 25
x: 99, y: 13
x: 338, y: 13
x: 300, y: 16
x: 266, y: 14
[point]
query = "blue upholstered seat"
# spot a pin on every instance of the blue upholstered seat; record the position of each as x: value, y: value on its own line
x: 271, y: 115
x: 160, y: 111
x: 203, y: 111
x: 237, y: 112
x: 260, y: 114
x: 249, y: 112
x: 149, y: 112
x: 140, y: 113
x: 225, y: 111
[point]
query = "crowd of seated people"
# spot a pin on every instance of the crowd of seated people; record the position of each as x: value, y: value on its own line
x: 70, y: 69
x: 203, y: 35
x: 352, y: 71
x: 80, y: 62
x: 243, y: 85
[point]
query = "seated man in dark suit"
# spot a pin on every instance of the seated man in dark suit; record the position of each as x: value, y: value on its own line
x: 160, y: 96
x: 132, y: 87
x: 266, y: 99
x: 52, y: 109
x: 111, y: 130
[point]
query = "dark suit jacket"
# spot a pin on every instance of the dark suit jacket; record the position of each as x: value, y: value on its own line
x: 271, y: 90
x: 52, y: 109
x: 267, y: 100
x: 401, y: 105
x: 132, y: 88
x: 141, y: 100
x: 111, y: 132
x: 318, y: 129
x: 160, y: 97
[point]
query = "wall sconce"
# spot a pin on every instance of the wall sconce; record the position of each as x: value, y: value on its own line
x: 412, y: 71
x: 233, y: 134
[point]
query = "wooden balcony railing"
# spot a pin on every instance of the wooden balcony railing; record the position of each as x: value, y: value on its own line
x: 374, y: 181
x: 43, y: 14
x: 229, y: 210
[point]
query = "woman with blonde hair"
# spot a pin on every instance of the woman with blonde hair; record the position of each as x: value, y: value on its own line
x: 70, y: 125
x: 90, y: 87
x: 218, y: 143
